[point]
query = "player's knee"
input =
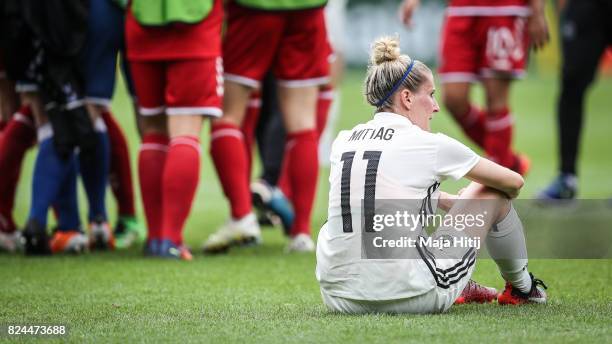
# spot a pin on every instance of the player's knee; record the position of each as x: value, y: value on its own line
x: 153, y: 124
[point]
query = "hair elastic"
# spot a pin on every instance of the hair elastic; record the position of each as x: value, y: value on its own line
x: 397, y: 85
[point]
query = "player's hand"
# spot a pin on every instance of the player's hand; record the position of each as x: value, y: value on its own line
x: 538, y: 30
x: 406, y: 10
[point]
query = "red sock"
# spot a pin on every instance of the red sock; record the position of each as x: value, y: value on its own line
x: 179, y: 184
x: 302, y: 171
x: 229, y: 156
x: 473, y: 124
x: 18, y: 136
x: 151, y: 162
x: 120, y: 175
x: 248, y: 128
x: 326, y: 97
x: 498, y: 141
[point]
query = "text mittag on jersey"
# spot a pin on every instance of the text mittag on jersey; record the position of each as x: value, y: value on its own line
x: 381, y: 133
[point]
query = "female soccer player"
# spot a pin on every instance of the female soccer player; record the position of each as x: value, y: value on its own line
x: 175, y: 60
x: 395, y: 157
x: 487, y: 41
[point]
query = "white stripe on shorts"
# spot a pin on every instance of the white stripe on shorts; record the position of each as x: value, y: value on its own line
x: 242, y: 80
x: 151, y: 111
x: 304, y: 82
x: 201, y: 110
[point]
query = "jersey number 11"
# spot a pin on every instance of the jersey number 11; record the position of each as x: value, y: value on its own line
x: 369, y: 189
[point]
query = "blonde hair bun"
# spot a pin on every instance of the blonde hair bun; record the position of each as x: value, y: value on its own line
x: 385, y: 49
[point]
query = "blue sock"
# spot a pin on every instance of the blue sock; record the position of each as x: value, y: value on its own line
x: 94, y: 171
x: 49, y: 172
x: 66, y: 203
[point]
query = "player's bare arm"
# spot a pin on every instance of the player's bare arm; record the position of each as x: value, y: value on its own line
x: 406, y: 11
x: 495, y: 176
x: 537, y: 25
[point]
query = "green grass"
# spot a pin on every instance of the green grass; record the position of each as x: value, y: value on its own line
x: 263, y: 295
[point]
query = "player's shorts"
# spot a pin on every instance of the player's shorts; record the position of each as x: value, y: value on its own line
x: 105, y: 41
x: 434, y: 301
x: 179, y: 87
x: 449, y: 271
x: 293, y: 44
x: 475, y: 47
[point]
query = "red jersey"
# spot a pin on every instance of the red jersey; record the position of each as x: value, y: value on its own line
x: 488, y: 8
x: 175, y: 41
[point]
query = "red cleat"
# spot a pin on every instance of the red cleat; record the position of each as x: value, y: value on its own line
x: 476, y: 293
x: 512, y: 296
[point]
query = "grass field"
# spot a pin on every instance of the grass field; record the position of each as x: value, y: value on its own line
x: 263, y: 295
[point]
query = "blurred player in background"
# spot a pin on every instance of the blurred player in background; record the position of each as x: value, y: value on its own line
x: 586, y: 30
x: 487, y: 41
x: 175, y: 61
x: 291, y: 39
x: 105, y: 43
x: 99, y: 58
x: 270, y: 196
x: 405, y: 161
x: 42, y: 55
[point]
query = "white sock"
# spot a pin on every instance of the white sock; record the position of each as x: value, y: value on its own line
x: 506, y: 245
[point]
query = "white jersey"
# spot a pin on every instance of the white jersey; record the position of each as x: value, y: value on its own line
x: 390, y: 158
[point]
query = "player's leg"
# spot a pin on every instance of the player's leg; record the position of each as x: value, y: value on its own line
x: 301, y: 70
x: 503, y: 57
x: 458, y: 70
x: 583, y: 42
x: 269, y: 200
x: 499, y: 122
x: 50, y: 168
x: 248, y: 50
x: 18, y: 136
x: 149, y: 82
x: 94, y: 166
x: 69, y: 236
x: 502, y: 231
x: 99, y: 61
x: 105, y: 41
x: 248, y: 127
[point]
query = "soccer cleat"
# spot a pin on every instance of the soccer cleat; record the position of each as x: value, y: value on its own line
x: 476, y: 293
x: 167, y: 249
x: 512, y: 296
x: 300, y: 243
x: 35, y: 239
x: 564, y: 187
x: 10, y: 242
x: 69, y: 242
x: 129, y: 232
x: 101, y: 236
x: 270, y: 199
x: 243, y: 232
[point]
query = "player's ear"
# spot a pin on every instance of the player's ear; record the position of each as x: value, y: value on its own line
x: 406, y: 98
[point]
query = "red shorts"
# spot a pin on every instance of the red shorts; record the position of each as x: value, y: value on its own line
x: 175, y: 41
x: 293, y: 43
x: 179, y: 87
x: 474, y: 47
